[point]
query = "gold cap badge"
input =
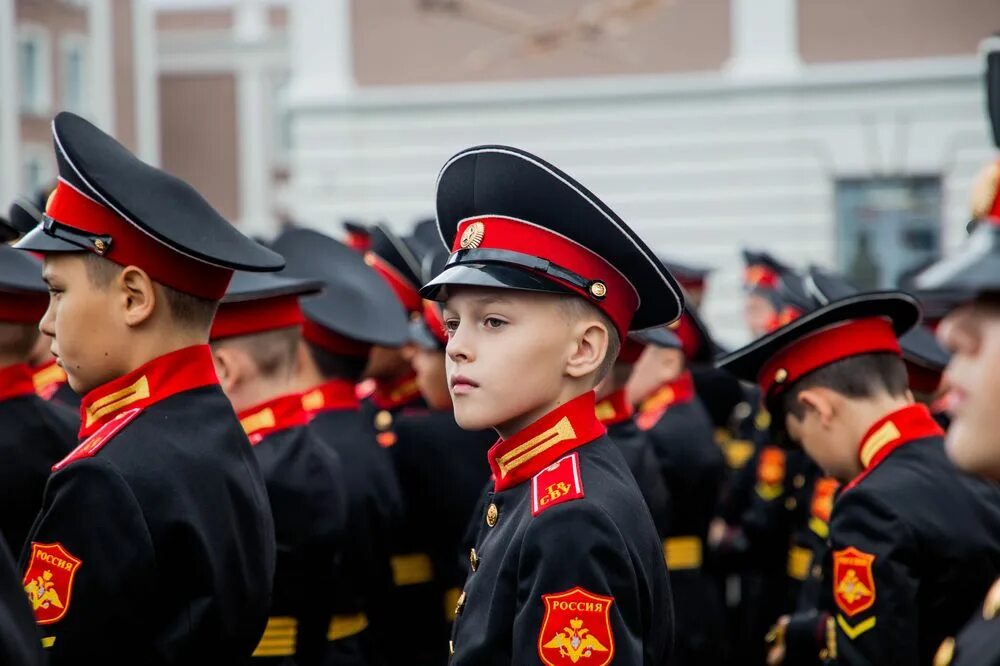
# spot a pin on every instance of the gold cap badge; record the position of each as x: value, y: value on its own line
x: 473, y: 236
x: 781, y: 376
x: 598, y: 289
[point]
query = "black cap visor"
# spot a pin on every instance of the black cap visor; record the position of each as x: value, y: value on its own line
x: 494, y: 276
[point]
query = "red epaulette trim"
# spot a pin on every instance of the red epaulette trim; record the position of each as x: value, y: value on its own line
x: 90, y: 446
x: 559, y: 482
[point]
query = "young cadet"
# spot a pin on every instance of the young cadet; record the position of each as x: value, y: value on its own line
x: 914, y: 542
x: 443, y: 470
x: 543, y: 282
x: 970, y: 280
x: 255, y: 345
x: 395, y: 383
x: 36, y: 434
x: 356, y: 311
x: 693, y: 468
x: 154, y: 543
x: 615, y: 411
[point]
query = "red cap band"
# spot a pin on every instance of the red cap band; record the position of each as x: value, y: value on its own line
x: 23, y: 308
x: 405, y: 291
x: 248, y: 317
x: 690, y: 337
x: 853, y: 338
x: 357, y: 241
x: 619, y: 299
x: 434, y: 322
x: 131, y: 246
x: 334, y: 342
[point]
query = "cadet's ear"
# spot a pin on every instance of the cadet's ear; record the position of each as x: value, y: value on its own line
x: 589, y: 348
x: 138, y: 293
x: 822, y: 402
x: 231, y: 365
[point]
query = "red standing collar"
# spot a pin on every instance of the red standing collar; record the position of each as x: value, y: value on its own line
x: 337, y: 394
x: 47, y: 379
x: 178, y: 371
x: 540, y: 444
x: 16, y: 381
x: 892, y: 431
x: 614, y: 409
x: 396, y: 393
x: 273, y: 416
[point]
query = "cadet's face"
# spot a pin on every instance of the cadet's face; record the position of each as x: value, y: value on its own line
x: 972, y: 333
x: 506, y: 356
x: 82, y: 322
x: 759, y: 313
x: 431, y: 377
x: 824, y: 443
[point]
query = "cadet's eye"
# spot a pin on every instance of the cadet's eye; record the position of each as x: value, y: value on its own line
x: 494, y: 322
x: 450, y: 326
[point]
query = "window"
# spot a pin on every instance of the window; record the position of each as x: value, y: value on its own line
x: 36, y: 168
x: 888, y: 229
x: 73, y: 69
x: 34, y: 69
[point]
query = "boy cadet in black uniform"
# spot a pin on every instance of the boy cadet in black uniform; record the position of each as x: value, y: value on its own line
x: 36, y: 434
x: 970, y: 281
x: 154, y: 544
x: 616, y: 413
x: 356, y: 311
x: 255, y: 344
x: 543, y: 282
x: 914, y: 542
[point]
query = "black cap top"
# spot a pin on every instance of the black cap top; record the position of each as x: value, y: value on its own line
x: 686, y: 274
x: 20, y: 273
x: 425, y: 238
x: 658, y: 337
x: 7, y: 231
x: 974, y: 269
x: 247, y: 287
x: 356, y: 302
x: 24, y: 215
x: 111, y: 203
x: 919, y: 345
x: 512, y: 220
x: 394, y: 250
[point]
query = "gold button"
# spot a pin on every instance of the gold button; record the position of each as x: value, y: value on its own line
x: 790, y: 504
x: 598, y: 289
x: 945, y: 653
x: 451, y: 648
x: 100, y: 245
x: 781, y: 376
x: 799, y: 481
x: 460, y: 604
x: 491, y: 515
x: 991, y: 606
x: 473, y: 559
x: 383, y: 420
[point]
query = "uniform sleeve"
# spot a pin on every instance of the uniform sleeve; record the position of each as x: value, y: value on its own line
x: 654, y: 490
x: 578, y: 590
x: 875, y: 582
x: 89, y: 562
x: 19, y: 638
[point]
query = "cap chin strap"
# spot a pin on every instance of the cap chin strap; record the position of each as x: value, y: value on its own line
x: 96, y: 243
x: 537, y: 264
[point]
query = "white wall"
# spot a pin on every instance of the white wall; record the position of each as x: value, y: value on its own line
x: 700, y: 166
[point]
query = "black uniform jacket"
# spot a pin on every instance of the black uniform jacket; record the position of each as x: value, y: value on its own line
x: 36, y: 435
x: 978, y: 644
x: 374, y: 516
x: 615, y: 413
x: 915, y: 544
x: 155, y: 543
x: 19, y: 637
x: 306, y: 490
x: 567, y: 566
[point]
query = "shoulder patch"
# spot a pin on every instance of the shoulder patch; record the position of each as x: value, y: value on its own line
x: 559, y: 482
x: 577, y: 625
x: 48, y: 581
x: 90, y: 446
x: 853, y: 582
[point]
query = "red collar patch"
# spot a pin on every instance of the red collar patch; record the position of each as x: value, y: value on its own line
x: 537, y: 446
x: 16, y: 381
x: 892, y: 431
x: 178, y: 371
x: 47, y: 379
x: 397, y: 393
x: 90, y: 446
x: 48, y: 582
x: 273, y: 416
x: 559, y: 482
x: 576, y: 626
x: 678, y: 391
x: 337, y: 394
x: 614, y: 409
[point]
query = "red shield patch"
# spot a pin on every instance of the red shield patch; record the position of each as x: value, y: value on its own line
x: 853, y: 582
x: 771, y: 467
x: 822, y: 499
x: 576, y: 629
x: 48, y: 582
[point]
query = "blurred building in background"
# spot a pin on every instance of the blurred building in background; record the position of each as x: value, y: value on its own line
x: 93, y: 57
x: 842, y: 133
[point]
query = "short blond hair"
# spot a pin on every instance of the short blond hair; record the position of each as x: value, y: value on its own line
x: 575, y: 309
